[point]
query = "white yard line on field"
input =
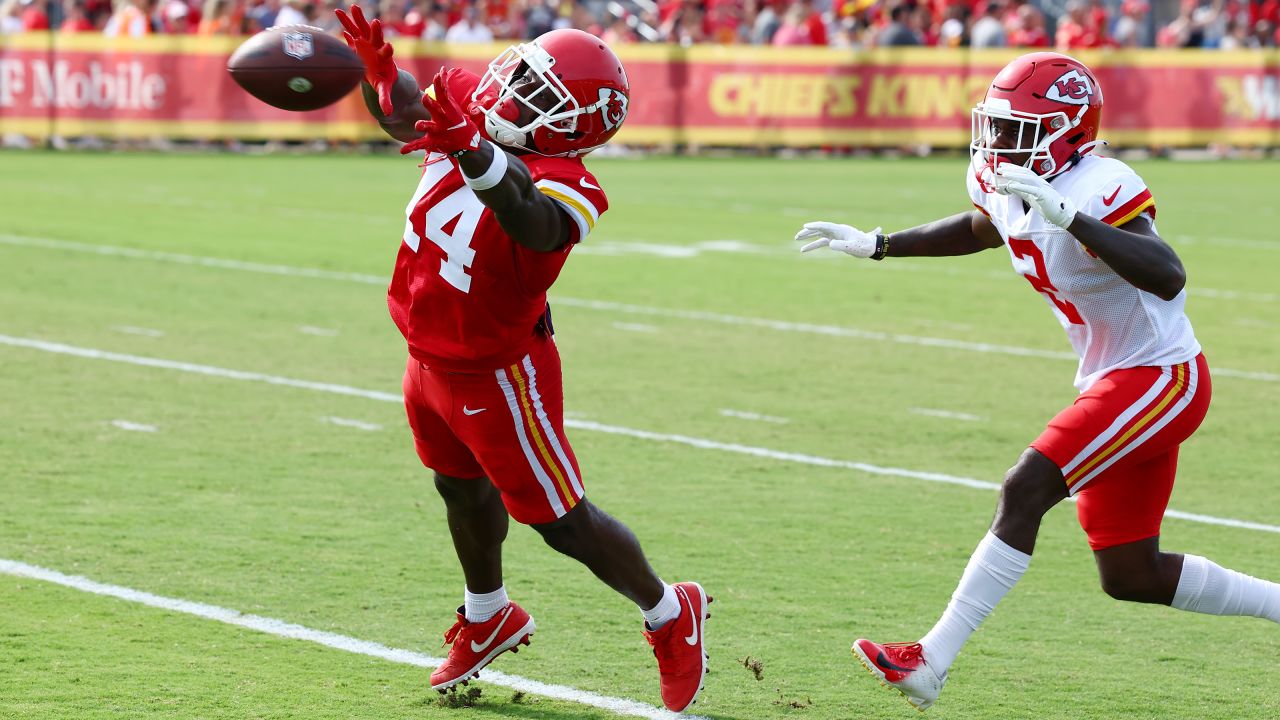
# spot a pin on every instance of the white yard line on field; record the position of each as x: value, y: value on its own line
x: 746, y: 415
x: 318, y: 331
x: 133, y: 426
x: 182, y: 259
x: 281, y: 628
x: 732, y: 246
x: 131, y: 330
x: 347, y: 422
x: 636, y: 327
x: 602, y: 305
x: 701, y: 443
x: 946, y: 414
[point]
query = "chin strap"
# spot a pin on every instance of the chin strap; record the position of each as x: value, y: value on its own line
x: 1080, y: 151
x: 505, y: 135
x: 1075, y: 157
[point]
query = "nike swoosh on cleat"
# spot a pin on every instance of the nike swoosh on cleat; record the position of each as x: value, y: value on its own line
x: 479, y: 647
x: 883, y: 662
x: 466, y: 411
x: 1112, y: 198
x: 693, y: 638
x: 583, y: 182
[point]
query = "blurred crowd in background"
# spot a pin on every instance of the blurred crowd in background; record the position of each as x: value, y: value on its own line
x: 856, y: 24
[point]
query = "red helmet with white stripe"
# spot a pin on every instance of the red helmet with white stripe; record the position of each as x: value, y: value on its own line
x: 563, y: 94
x: 1057, y: 105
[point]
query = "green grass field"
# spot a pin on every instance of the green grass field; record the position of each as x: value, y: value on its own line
x: 246, y: 494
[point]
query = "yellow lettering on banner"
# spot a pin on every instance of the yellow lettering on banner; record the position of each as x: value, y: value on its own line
x: 726, y: 94
x: 773, y: 88
x: 922, y: 94
x: 977, y: 90
x: 1234, y: 101
x: 802, y: 97
x: 782, y: 95
x: 885, y: 98
x: 944, y: 97
x: 952, y: 99
x: 811, y: 95
x: 842, y: 98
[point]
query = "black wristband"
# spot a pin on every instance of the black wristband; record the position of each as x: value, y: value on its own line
x: 882, y: 247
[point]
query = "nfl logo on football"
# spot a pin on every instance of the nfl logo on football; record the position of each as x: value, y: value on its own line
x: 298, y: 45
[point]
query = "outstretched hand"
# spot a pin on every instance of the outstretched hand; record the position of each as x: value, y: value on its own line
x: 366, y: 39
x: 844, y: 238
x: 450, y: 130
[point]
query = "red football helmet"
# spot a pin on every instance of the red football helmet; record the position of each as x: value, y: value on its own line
x: 573, y: 84
x: 1057, y: 104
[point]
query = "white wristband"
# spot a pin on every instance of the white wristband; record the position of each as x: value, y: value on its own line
x: 491, y: 177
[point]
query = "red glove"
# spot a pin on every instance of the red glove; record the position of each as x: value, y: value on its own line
x: 450, y: 130
x: 375, y: 52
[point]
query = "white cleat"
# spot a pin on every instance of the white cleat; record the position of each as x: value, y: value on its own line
x: 902, y: 666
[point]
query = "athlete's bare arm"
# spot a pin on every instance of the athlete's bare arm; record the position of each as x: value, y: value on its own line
x: 406, y: 96
x: 962, y: 234
x: 528, y: 216
x: 1135, y: 252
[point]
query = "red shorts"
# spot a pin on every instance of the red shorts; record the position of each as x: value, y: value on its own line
x: 505, y: 424
x: 1117, y: 447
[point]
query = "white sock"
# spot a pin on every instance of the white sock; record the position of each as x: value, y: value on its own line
x: 667, y: 609
x: 1206, y: 587
x: 482, y: 606
x: 992, y: 571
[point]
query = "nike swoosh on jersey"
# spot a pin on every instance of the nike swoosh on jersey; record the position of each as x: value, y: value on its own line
x: 466, y: 411
x: 1112, y: 198
x: 583, y: 182
x: 479, y: 647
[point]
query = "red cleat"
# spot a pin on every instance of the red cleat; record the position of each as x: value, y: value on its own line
x: 475, y: 645
x: 902, y: 666
x: 680, y: 649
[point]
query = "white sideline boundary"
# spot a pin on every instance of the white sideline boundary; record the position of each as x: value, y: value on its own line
x: 601, y: 305
x: 696, y: 442
x: 281, y: 628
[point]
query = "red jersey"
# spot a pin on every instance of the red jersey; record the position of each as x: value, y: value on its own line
x: 465, y: 295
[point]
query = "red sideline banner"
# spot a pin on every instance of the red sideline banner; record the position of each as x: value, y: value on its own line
x: 178, y: 87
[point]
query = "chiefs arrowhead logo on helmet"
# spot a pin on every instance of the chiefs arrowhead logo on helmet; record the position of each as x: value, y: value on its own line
x: 1072, y: 87
x: 613, y: 107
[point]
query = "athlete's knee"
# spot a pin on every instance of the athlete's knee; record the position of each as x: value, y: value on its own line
x: 1138, y: 572
x: 1031, y: 487
x: 1142, y: 587
x: 570, y: 533
x: 465, y: 494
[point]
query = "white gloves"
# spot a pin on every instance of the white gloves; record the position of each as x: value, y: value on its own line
x: 1013, y: 179
x: 844, y: 238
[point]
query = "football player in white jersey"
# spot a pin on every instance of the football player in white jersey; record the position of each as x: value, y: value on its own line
x: 1081, y: 229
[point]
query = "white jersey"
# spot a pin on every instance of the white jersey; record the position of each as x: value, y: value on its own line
x: 1110, y: 323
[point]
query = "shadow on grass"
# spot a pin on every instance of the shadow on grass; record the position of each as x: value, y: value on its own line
x: 508, y: 704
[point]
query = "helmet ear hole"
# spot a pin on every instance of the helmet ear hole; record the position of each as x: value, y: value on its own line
x: 1075, y: 139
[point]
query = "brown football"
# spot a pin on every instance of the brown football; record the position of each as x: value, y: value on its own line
x: 295, y: 67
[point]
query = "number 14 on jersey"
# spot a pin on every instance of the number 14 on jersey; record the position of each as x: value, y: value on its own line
x: 450, y: 223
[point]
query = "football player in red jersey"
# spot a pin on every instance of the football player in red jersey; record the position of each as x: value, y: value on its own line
x: 1081, y: 229
x: 503, y: 199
